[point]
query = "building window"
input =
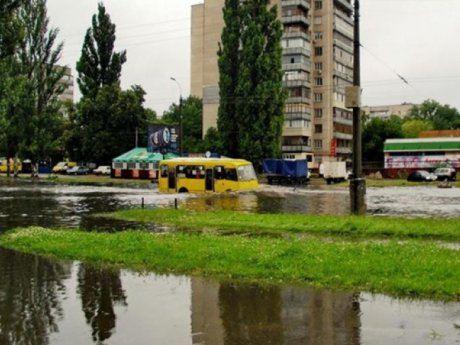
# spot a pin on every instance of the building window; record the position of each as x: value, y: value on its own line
x: 319, y: 112
x: 318, y: 20
x: 318, y: 128
x: 318, y: 5
x: 318, y: 97
x: 318, y: 144
x: 318, y: 36
x: 318, y: 66
x: 318, y: 81
x: 318, y: 51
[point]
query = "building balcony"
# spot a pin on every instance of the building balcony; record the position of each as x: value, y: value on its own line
x: 297, y: 51
x: 295, y: 116
x: 299, y: 99
x: 297, y: 34
x: 343, y: 121
x: 344, y: 46
x: 344, y: 76
x: 344, y: 136
x: 343, y: 61
x: 295, y: 19
x: 344, y: 29
x: 343, y: 16
x: 296, y: 132
x: 343, y: 150
x: 295, y: 148
x: 345, y: 5
x: 296, y: 83
x: 299, y: 3
x: 296, y: 67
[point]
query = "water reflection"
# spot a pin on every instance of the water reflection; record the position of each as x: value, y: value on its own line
x: 99, y: 290
x: 231, y: 314
x: 31, y: 289
x: 270, y: 200
x: 57, y: 303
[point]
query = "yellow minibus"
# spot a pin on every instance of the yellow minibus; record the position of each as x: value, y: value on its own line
x: 183, y: 175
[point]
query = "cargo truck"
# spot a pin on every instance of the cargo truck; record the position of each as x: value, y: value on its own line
x: 286, y: 171
x: 334, y: 172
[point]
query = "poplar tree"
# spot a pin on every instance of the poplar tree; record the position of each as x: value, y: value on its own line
x: 261, y: 102
x: 250, y: 116
x: 229, y: 63
x: 39, y: 54
x: 99, y: 65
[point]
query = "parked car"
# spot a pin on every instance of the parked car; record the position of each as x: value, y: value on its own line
x: 446, y: 174
x: 102, y: 170
x: 78, y: 170
x: 62, y: 167
x: 421, y: 176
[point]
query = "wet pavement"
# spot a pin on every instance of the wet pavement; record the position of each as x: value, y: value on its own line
x: 58, y: 302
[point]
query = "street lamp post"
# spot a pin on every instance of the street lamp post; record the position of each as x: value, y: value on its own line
x: 180, y: 115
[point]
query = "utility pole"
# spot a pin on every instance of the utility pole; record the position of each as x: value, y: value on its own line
x: 357, y: 183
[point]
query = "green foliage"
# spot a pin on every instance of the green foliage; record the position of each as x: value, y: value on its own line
x: 252, y: 97
x: 375, y: 132
x: 192, y: 119
x: 229, y: 65
x: 410, y: 268
x: 29, y: 76
x: 106, y: 126
x: 412, y: 128
x: 99, y: 65
x: 212, y: 141
x: 272, y: 224
x: 441, y: 116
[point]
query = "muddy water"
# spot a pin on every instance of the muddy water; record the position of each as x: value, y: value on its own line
x: 56, y: 302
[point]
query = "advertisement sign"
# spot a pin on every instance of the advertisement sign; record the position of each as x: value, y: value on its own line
x: 421, y: 162
x: 163, y: 139
x: 333, y: 147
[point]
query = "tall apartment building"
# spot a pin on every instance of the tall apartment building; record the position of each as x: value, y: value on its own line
x: 317, y: 63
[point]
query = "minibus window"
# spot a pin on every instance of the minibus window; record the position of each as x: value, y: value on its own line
x: 164, y: 171
x: 230, y: 174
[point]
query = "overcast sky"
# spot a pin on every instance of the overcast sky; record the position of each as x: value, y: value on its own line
x: 416, y: 39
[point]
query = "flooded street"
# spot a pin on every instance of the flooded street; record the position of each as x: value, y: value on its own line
x: 55, y: 302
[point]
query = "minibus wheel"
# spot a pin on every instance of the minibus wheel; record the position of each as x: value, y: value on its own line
x: 183, y: 190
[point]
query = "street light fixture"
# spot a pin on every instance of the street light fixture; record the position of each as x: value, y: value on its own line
x: 180, y: 114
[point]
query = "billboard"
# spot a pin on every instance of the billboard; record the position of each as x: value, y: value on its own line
x: 163, y: 139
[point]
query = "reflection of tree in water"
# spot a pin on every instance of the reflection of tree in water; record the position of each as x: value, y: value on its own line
x: 250, y: 314
x: 100, y: 289
x: 30, y: 290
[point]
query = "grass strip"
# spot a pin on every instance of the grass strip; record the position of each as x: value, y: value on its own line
x: 365, y: 227
x: 409, y: 268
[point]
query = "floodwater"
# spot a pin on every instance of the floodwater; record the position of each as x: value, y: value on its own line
x: 52, y: 302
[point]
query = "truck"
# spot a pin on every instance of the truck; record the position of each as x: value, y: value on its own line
x: 286, y: 171
x: 333, y: 172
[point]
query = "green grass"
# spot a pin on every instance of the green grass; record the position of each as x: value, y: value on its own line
x: 239, y: 222
x: 410, y: 268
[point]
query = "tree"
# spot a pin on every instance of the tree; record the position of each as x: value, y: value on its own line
x: 99, y: 65
x: 212, y: 141
x: 229, y: 63
x: 375, y: 132
x: 106, y: 126
x: 412, y: 128
x: 42, y: 122
x: 192, y: 117
x: 441, y: 116
x: 260, y: 95
x: 30, y: 78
